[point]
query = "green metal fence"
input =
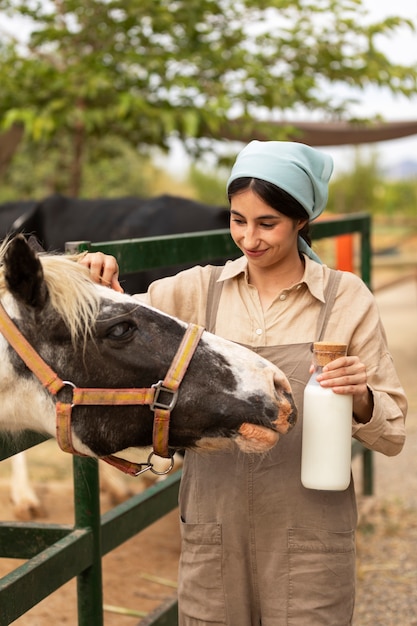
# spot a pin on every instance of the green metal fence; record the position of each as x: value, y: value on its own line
x: 54, y: 553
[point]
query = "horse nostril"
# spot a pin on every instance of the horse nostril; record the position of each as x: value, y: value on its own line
x: 292, y: 419
x: 281, y: 384
x: 293, y: 411
x: 287, y: 410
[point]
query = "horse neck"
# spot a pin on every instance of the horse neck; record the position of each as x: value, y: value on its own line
x: 24, y: 404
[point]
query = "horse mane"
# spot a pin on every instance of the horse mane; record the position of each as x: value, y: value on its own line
x: 72, y: 293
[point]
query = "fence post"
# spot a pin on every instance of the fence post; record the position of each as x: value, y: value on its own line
x: 87, y: 516
x: 344, y: 253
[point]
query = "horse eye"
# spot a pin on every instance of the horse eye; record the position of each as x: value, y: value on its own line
x: 122, y: 330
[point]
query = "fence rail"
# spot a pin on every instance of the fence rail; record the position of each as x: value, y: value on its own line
x: 56, y: 553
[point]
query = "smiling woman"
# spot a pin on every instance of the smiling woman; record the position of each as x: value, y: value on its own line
x: 273, y: 557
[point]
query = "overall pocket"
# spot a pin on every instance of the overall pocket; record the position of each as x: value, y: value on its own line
x: 200, y: 591
x: 321, y: 577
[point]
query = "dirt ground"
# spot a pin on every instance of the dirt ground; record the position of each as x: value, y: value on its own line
x: 387, y: 535
x: 139, y: 575
x: 142, y: 573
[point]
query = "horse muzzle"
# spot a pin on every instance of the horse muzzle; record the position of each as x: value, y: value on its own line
x: 287, y: 414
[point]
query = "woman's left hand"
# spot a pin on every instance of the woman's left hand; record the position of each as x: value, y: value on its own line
x: 347, y: 375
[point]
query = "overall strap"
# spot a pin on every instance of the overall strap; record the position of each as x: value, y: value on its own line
x: 213, y: 298
x: 329, y: 298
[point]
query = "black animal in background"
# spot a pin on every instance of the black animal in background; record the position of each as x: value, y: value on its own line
x: 58, y: 219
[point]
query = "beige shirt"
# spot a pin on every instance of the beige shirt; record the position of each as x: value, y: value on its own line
x: 291, y: 318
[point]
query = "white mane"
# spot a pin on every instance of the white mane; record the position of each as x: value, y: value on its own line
x: 73, y: 294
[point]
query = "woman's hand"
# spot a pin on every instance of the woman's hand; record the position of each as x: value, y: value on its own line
x: 103, y: 269
x: 347, y: 375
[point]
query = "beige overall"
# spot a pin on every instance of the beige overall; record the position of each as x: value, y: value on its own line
x: 257, y: 547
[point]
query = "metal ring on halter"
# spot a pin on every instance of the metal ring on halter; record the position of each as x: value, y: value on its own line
x: 144, y: 468
x: 70, y: 384
x: 161, y: 473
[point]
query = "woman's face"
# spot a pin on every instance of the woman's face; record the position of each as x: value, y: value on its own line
x: 264, y: 235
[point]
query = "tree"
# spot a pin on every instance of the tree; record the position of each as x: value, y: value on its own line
x: 359, y: 189
x: 146, y: 70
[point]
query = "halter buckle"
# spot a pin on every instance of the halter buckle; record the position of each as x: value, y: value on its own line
x: 159, y: 404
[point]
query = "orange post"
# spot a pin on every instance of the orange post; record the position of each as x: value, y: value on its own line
x: 344, y: 253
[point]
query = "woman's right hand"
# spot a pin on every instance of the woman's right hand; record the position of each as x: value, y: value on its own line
x: 104, y: 269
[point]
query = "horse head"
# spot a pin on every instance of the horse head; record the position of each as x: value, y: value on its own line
x: 99, y: 339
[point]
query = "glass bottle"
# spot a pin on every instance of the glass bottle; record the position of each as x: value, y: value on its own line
x: 327, y: 428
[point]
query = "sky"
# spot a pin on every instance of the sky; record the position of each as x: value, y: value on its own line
x: 401, y: 48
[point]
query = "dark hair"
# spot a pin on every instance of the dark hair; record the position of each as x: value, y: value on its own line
x: 275, y: 197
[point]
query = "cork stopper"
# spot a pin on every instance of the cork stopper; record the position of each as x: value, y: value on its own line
x: 326, y: 351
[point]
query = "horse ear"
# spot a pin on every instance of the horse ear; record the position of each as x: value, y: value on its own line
x: 35, y: 245
x: 24, y: 274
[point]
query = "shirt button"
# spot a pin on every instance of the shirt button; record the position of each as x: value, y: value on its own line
x: 283, y: 296
x: 258, y: 331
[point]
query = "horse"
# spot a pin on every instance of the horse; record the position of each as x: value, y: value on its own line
x: 86, y: 347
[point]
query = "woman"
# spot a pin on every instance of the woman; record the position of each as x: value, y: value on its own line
x: 257, y: 547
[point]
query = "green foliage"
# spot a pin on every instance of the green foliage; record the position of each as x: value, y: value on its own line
x: 400, y: 199
x: 366, y: 188
x: 112, y: 168
x: 209, y: 187
x: 144, y: 70
x: 356, y: 190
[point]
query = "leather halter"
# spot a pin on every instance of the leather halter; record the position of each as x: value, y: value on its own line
x: 94, y: 397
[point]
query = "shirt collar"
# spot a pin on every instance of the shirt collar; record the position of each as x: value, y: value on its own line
x: 313, y: 274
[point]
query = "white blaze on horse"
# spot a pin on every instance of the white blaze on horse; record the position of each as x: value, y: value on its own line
x: 103, y: 372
